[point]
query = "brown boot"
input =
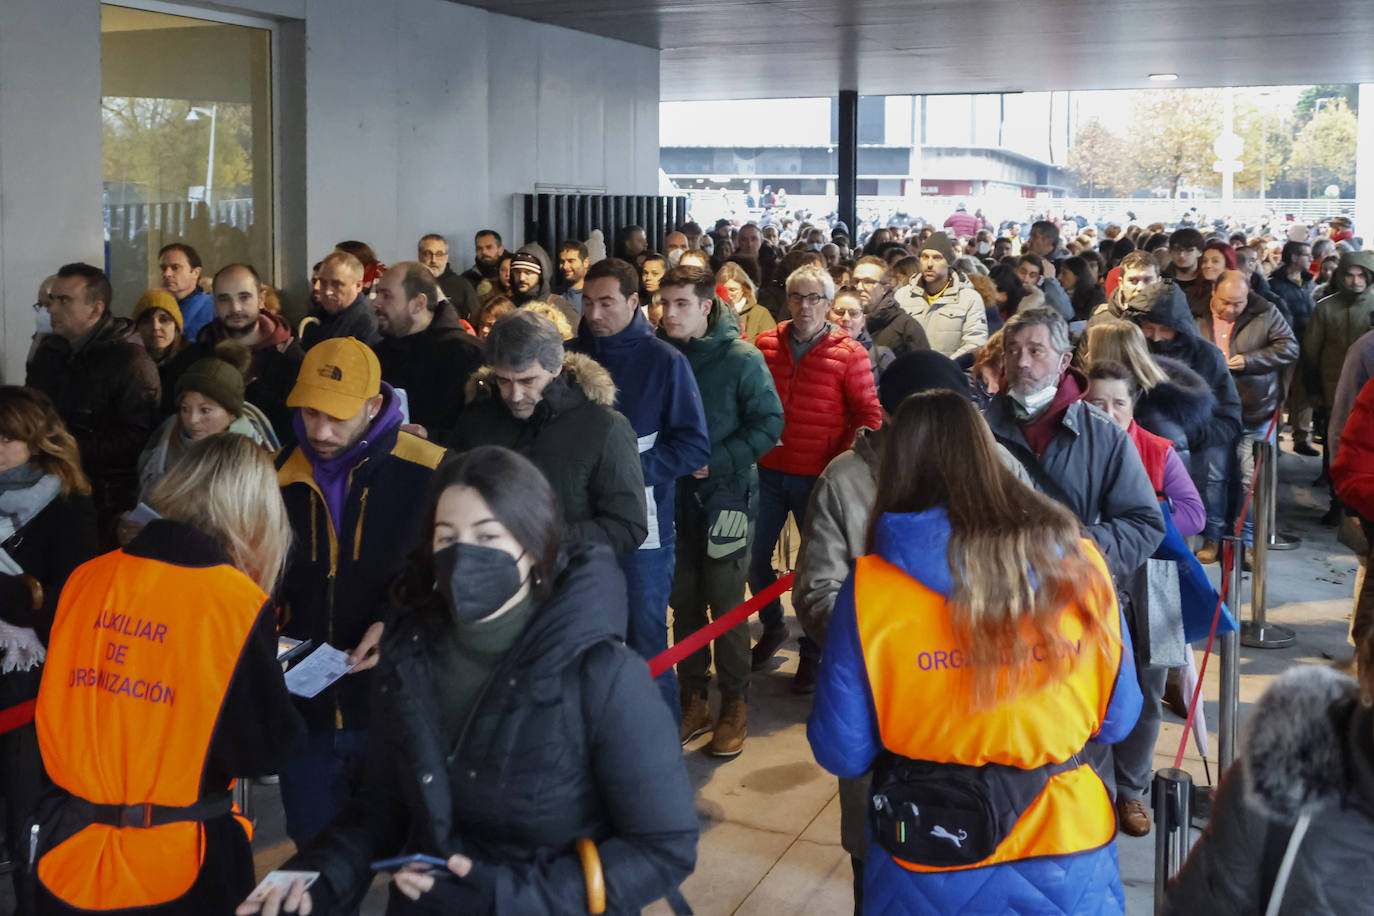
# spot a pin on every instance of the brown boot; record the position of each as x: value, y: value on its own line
x: 1208, y: 553
x: 1134, y: 816
x: 696, y: 716
x: 731, y: 729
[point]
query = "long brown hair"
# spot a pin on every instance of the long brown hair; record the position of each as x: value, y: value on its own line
x: 26, y: 415
x: 1015, y: 558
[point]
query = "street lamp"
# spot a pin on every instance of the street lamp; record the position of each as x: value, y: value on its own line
x: 194, y: 115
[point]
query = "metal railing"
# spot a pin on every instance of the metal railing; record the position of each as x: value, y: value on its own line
x: 1258, y: 632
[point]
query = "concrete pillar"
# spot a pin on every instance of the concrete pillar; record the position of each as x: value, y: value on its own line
x: 50, y: 159
x: 1364, y: 167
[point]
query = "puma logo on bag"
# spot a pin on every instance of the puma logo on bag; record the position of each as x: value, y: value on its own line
x: 941, y: 833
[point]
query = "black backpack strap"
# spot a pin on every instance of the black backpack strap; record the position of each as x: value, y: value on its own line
x: 1276, y: 837
x: 149, y: 815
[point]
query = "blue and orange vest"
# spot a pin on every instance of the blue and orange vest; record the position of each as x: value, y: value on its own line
x: 139, y: 661
x: 918, y: 672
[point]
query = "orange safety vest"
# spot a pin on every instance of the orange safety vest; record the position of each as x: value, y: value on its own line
x: 139, y: 661
x: 917, y: 669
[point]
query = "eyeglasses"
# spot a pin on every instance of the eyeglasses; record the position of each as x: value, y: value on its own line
x: 847, y: 313
x: 866, y: 281
x: 811, y: 299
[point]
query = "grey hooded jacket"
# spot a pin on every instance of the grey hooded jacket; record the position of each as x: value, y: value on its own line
x: 1308, y: 747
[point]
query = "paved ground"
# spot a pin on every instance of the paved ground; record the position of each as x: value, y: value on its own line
x: 770, y: 818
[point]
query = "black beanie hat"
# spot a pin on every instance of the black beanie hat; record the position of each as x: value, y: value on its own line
x: 938, y: 241
x: 920, y: 370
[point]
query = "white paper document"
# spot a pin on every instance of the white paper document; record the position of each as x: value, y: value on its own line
x: 317, y: 671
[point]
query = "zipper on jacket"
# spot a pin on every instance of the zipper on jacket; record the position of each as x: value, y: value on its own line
x: 358, y: 529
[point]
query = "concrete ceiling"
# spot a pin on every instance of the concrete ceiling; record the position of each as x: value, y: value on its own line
x: 721, y: 49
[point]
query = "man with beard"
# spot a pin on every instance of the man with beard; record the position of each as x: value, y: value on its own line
x: 530, y: 272
x: 433, y: 253
x: 486, y: 259
x: 424, y: 351
x: 343, y: 309
x: 573, y: 262
x: 276, y: 357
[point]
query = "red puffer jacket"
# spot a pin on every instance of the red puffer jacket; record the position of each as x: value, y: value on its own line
x: 1352, y: 471
x: 826, y: 398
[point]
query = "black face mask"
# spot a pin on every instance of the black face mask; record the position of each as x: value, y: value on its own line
x: 476, y: 581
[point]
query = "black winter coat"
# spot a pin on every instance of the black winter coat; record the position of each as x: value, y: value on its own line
x: 1297, y: 302
x: 586, y: 449
x: 1269, y: 346
x: 433, y: 367
x: 55, y: 541
x: 568, y: 739
x: 355, y: 320
x: 461, y: 294
x: 109, y: 395
x: 1308, y: 746
x: 1178, y: 409
x: 894, y: 327
x: 1164, y: 304
x: 336, y: 586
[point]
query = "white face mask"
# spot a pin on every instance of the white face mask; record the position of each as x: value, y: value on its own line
x: 42, y: 319
x: 674, y: 256
x: 984, y: 248
x: 1036, y: 401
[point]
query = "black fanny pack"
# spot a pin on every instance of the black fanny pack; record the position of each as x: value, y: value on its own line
x: 727, y: 525
x: 947, y: 815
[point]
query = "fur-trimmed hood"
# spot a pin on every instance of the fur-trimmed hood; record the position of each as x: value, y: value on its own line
x: 1295, y: 744
x: 581, y: 374
x: 1179, y: 409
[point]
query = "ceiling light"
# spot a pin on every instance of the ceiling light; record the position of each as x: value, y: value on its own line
x: 1163, y: 77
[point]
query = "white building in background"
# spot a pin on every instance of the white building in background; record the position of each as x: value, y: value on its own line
x: 1003, y: 145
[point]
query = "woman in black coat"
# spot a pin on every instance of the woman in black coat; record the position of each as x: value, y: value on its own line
x: 513, y: 734
x: 47, y: 529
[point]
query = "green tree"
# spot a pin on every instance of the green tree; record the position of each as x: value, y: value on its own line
x: 1099, y: 162
x: 1324, y: 150
x: 1267, y: 132
x: 1307, y: 99
x: 1171, y: 137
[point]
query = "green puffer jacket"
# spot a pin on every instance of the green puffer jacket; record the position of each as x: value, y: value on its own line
x: 743, y: 413
x: 1338, y: 321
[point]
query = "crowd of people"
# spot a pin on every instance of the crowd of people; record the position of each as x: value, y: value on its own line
x: 1007, y: 461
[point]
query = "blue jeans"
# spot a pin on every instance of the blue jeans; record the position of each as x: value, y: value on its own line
x: 779, y: 494
x: 1209, y: 471
x: 648, y: 582
x: 1244, y: 456
x: 317, y: 783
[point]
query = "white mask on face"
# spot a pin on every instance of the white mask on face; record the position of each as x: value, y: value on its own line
x: 674, y: 256
x: 1036, y: 401
x: 984, y: 248
x: 42, y: 320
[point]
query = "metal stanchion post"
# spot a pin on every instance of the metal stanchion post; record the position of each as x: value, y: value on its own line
x: 1171, y: 793
x: 1257, y: 632
x: 1276, y: 540
x: 1228, y: 698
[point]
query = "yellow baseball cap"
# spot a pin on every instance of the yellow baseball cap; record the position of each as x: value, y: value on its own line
x: 337, y: 377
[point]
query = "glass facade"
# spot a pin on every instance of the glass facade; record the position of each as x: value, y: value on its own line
x: 186, y: 112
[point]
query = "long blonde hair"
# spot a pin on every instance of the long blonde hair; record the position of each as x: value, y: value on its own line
x: 26, y: 415
x: 1015, y: 557
x: 732, y: 271
x: 1122, y: 342
x: 226, y: 486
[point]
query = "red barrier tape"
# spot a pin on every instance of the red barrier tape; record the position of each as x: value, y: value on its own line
x: 15, y: 716
x: 1229, y: 558
x: 680, y: 650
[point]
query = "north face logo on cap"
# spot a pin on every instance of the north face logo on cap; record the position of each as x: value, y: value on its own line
x: 333, y: 373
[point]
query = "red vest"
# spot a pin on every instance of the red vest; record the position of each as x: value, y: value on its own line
x: 1154, y: 454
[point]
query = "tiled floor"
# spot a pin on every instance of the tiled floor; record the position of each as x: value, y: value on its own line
x: 770, y: 818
